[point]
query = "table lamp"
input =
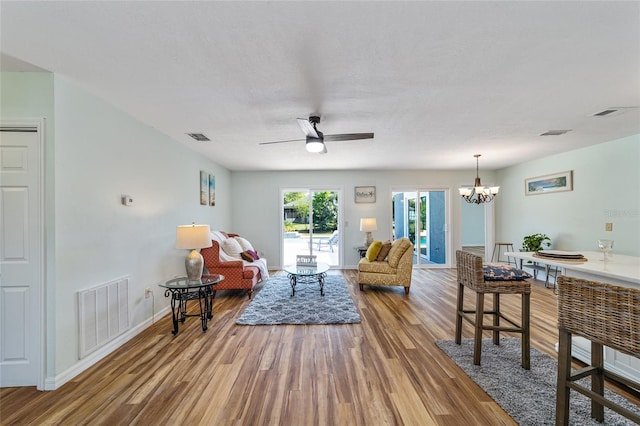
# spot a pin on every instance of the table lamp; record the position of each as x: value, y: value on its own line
x: 368, y: 224
x: 193, y: 237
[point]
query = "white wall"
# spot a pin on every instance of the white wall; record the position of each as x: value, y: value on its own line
x: 606, y: 178
x: 94, y: 154
x: 472, y: 224
x: 102, y: 153
x: 257, y: 215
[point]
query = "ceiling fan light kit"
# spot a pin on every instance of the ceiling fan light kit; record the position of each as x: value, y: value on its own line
x: 478, y: 194
x: 315, y: 138
x: 315, y: 144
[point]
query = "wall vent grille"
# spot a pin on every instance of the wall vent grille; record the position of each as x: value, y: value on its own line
x: 103, y: 314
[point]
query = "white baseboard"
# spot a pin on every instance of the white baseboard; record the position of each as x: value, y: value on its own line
x: 53, y: 383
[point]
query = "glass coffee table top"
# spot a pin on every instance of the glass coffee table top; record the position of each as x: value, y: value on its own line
x: 305, y: 270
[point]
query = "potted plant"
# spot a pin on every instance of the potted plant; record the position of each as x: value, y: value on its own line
x: 535, y: 242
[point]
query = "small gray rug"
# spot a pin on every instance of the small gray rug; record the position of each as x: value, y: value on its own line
x: 529, y: 396
x: 273, y: 304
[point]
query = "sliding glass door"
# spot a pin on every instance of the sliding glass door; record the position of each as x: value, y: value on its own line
x: 311, y: 219
x: 422, y: 216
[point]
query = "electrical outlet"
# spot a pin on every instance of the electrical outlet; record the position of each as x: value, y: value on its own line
x: 147, y: 292
x: 608, y: 226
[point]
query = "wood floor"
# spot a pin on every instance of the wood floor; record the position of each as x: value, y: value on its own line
x: 385, y: 371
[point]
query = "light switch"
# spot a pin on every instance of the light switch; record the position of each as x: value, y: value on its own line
x: 608, y: 226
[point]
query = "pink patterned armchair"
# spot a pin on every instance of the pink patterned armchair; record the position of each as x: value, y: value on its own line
x: 238, y: 274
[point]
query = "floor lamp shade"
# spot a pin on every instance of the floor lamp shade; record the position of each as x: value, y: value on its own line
x: 193, y: 237
x: 367, y: 225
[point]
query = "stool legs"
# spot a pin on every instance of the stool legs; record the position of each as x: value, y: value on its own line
x: 478, y: 327
x: 564, y: 372
x: 497, y: 248
x: 526, y: 331
x: 496, y: 318
x: 459, y: 314
x: 597, y: 381
x: 477, y: 335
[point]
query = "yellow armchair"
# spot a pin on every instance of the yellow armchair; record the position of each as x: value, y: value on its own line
x: 395, y: 270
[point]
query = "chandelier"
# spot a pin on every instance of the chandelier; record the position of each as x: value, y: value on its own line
x: 478, y: 194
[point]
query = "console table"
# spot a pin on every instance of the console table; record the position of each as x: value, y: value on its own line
x: 181, y: 290
x: 618, y: 270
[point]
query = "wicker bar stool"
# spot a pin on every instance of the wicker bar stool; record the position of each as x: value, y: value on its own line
x: 471, y: 275
x: 606, y: 315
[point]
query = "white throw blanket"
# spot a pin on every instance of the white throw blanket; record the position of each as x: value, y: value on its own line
x: 260, y: 263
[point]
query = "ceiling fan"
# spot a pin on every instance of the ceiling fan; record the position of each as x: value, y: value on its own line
x: 315, y: 138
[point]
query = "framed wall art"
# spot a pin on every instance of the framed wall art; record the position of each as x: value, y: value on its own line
x: 365, y: 194
x: 204, y: 188
x: 556, y: 182
x: 212, y: 190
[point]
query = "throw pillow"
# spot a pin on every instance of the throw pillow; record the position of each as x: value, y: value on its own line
x: 253, y: 254
x: 373, y: 250
x: 244, y: 243
x: 232, y: 248
x: 499, y: 272
x: 398, y: 248
x: 246, y: 256
x: 384, y: 251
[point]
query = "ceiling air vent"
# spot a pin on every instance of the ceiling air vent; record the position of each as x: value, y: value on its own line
x: 554, y: 132
x: 199, y: 137
x: 605, y: 112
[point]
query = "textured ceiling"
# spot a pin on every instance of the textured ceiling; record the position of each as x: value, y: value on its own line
x: 436, y: 81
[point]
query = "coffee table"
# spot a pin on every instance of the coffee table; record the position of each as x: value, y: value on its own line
x: 306, y: 275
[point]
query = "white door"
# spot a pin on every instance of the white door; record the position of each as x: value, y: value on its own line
x: 20, y: 255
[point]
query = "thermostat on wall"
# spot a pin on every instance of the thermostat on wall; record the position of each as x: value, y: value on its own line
x: 127, y: 200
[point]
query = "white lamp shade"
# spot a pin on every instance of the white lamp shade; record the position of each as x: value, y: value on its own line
x: 193, y: 236
x: 465, y: 191
x: 368, y: 224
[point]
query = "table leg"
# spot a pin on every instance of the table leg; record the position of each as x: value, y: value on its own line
x: 321, y: 282
x: 183, y: 306
x: 175, y: 310
x: 202, y: 304
x: 293, y: 281
x: 210, y: 304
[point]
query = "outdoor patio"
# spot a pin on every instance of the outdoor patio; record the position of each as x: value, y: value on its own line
x: 299, y: 244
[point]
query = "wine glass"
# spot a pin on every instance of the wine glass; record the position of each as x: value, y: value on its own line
x: 605, y: 246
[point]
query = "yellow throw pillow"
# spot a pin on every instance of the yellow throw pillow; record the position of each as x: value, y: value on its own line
x: 373, y: 250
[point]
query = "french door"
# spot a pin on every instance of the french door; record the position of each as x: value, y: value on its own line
x: 422, y: 216
x: 311, y: 225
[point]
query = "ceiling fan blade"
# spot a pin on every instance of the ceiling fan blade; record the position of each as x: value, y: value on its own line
x: 292, y: 140
x: 307, y: 128
x: 348, y: 136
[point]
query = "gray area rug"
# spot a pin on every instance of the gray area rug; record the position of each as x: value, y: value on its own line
x: 273, y: 304
x: 529, y: 396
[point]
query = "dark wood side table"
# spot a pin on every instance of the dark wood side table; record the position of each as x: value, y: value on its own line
x: 181, y: 290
